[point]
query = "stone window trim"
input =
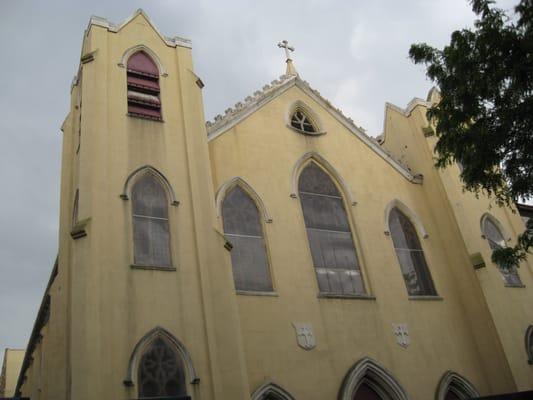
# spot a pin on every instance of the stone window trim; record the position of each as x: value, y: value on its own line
x: 256, y: 293
x: 425, y: 297
x: 506, y: 235
x: 326, y: 295
x: 141, y: 47
x: 133, y: 176
x: 270, y: 390
x: 529, y: 344
x: 370, y: 372
x: 309, y: 114
x: 348, y: 200
x: 153, y: 267
x: 413, y: 217
x: 301, y: 163
x: 459, y: 385
x: 144, y: 343
x: 238, y: 181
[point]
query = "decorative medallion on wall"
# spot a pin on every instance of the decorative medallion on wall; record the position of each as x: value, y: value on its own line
x: 402, y: 334
x: 304, y: 335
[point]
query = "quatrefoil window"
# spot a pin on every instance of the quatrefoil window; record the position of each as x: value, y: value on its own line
x: 302, y: 122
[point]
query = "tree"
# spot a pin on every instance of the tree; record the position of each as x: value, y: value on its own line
x: 485, y: 116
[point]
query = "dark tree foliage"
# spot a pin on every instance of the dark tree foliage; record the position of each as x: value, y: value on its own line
x: 485, y: 116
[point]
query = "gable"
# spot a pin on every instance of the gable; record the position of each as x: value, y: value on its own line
x: 252, y: 104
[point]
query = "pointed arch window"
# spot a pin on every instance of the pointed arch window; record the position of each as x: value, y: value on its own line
x: 453, y: 386
x: 242, y: 226
x: 529, y: 344
x: 161, y: 373
x: 410, y: 255
x: 151, y: 236
x: 496, y: 240
x: 301, y: 121
x: 329, y: 234
x: 143, y: 87
x: 367, y: 380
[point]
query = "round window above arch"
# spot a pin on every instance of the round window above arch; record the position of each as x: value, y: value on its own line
x: 303, y: 120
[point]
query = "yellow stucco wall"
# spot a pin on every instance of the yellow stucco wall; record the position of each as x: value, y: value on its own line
x: 10, y: 371
x: 101, y: 307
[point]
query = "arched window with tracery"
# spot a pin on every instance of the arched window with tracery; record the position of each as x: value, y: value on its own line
x: 243, y: 228
x: 410, y: 255
x: 496, y: 240
x: 151, y: 236
x: 329, y: 233
x: 143, y: 87
x: 161, y: 373
x: 302, y: 122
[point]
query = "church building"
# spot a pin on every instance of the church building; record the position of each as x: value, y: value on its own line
x: 277, y: 252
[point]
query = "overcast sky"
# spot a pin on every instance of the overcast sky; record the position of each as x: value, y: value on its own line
x: 353, y: 52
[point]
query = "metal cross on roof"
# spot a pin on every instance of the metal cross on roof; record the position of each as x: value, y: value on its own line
x: 285, y: 45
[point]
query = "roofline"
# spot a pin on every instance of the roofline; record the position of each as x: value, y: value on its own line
x: 406, y: 112
x: 233, y: 117
x: 112, y: 27
x: 35, y: 332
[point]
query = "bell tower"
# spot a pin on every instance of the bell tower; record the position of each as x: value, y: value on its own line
x: 140, y: 259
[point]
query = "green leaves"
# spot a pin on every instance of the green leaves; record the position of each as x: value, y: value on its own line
x: 485, y: 116
x: 509, y: 257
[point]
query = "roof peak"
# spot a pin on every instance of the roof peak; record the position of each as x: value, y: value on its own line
x: 113, y: 27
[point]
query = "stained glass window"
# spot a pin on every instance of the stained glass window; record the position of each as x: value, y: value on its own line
x: 329, y: 234
x: 496, y: 241
x: 410, y: 255
x: 161, y: 372
x: 151, y: 237
x: 242, y: 227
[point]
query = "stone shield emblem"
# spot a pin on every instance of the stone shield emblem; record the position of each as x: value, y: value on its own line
x: 304, y: 335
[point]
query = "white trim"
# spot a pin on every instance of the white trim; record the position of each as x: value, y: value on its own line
x: 238, y: 181
x: 143, y: 344
x: 141, y: 47
x: 495, y: 221
x: 458, y: 384
x: 321, y: 162
x: 369, y: 370
x: 271, y: 389
x: 233, y: 117
x: 413, y: 217
x: 148, y: 169
x: 111, y: 27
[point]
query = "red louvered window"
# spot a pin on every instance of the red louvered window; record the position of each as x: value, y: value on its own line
x: 143, y: 87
